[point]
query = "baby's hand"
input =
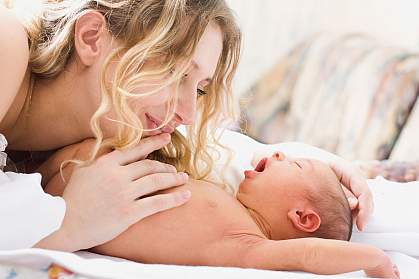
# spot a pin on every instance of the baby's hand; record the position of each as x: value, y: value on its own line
x: 386, y: 269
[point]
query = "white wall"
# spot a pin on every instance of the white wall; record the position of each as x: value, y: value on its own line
x: 272, y: 27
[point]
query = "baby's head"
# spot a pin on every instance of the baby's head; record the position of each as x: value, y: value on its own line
x: 294, y: 198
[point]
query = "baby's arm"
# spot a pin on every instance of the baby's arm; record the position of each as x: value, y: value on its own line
x: 320, y: 256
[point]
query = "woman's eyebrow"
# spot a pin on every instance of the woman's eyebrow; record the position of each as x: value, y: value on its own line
x: 197, y: 67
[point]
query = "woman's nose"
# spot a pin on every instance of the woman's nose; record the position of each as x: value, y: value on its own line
x: 182, y: 120
x: 186, y: 110
x: 185, y: 116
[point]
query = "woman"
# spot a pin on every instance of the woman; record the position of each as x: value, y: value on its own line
x: 126, y: 73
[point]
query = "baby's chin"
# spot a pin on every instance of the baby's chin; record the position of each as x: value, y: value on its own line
x: 242, y: 187
x: 240, y: 191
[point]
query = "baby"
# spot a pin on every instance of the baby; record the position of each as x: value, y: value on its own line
x: 287, y: 215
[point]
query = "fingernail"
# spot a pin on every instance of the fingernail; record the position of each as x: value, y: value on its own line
x: 185, y: 175
x: 352, y: 201
x: 166, y: 136
x: 186, y: 194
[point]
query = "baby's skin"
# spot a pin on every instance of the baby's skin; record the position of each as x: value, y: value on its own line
x: 267, y: 226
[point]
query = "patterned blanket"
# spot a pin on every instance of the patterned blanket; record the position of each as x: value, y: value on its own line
x: 349, y: 95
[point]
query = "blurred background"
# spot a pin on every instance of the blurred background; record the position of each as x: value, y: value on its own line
x: 340, y: 75
x: 272, y: 27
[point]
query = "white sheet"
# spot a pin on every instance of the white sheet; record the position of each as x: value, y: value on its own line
x: 27, y: 214
x: 394, y: 225
x: 97, y: 266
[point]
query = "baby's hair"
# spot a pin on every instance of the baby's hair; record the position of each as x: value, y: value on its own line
x: 334, y: 210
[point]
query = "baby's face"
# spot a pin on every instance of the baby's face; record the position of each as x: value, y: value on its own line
x: 279, y: 183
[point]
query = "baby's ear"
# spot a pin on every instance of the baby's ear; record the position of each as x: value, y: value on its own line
x: 305, y: 220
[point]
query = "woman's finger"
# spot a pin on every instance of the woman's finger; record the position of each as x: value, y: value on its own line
x: 366, y: 207
x: 365, y: 200
x: 141, y: 151
x: 352, y: 179
x: 155, y: 182
x: 154, y: 204
x: 356, y: 182
x: 352, y: 200
x: 143, y: 168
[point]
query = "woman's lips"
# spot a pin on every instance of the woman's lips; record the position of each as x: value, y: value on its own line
x: 154, y: 123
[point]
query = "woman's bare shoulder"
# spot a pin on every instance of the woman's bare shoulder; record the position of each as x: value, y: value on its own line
x: 14, y: 52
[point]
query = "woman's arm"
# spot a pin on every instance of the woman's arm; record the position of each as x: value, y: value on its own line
x: 320, y: 256
x: 14, y: 53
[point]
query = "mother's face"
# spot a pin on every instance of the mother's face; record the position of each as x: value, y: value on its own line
x: 153, y: 109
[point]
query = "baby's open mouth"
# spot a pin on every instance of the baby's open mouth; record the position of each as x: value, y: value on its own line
x: 261, y: 165
x: 258, y: 169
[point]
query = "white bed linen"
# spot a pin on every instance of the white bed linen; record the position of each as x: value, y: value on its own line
x: 394, y: 225
x: 98, y: 266
x: 27, y: 214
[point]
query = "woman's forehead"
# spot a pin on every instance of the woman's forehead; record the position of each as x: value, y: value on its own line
x: 208, y: 51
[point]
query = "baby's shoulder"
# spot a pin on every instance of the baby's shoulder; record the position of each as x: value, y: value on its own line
x: 222, y: 207
x: 214, y: 198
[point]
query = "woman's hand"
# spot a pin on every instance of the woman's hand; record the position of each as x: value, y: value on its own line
x: 105, y: 198
x: 356, y: 190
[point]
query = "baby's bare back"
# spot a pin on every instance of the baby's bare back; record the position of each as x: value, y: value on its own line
x: 202, y: 232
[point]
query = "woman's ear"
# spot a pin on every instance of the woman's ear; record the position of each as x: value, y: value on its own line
x: 305, y: 220
x: 90, y: 36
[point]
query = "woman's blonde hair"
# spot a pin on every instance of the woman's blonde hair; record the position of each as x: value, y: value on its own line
x: 168, y: 30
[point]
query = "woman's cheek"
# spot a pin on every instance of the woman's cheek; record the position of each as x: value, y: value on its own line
x: 159, y: 98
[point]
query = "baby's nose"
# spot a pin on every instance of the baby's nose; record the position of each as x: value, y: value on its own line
x: 278, y: 155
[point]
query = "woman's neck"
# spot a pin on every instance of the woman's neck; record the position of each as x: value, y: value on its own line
x: 56, y: 114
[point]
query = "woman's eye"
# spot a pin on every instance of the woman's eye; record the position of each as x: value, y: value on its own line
x: 200, y: 92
